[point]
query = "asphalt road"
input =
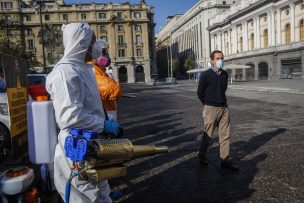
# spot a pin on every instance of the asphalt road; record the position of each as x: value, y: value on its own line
x: 267, y: 143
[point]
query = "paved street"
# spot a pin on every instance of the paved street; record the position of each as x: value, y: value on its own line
x: 267, y: 143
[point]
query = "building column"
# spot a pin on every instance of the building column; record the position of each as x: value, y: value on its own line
x: 147, y: 70
x: 255, y: 32
x: 131, y: 73
x: 269, y: 28
x: 245, y: 37
x: 223, y: 42
x: 302, y: 65
x: 279, y: 27
x: 258, y: 33
x: 235, y: 39
x: 212, y: 42
x: 256, y: 70
x: 230, y: 42
x: 273, y: 40
x: 115, y: 72
x: 292, y: 22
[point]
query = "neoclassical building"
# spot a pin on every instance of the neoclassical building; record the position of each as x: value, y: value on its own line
x: 267, y: 35
x: 163, y: 42
x: 129, y: 29
x: 189, y: 35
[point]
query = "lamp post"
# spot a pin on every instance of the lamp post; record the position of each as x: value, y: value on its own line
x: 171, y: 64
x: 41, y: 3
x: 8, y: 23
x: 39, y: 6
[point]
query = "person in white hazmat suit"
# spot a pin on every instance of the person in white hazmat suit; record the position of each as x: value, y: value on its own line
x: 73, y: 89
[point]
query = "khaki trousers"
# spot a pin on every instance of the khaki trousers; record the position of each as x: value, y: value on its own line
x: 218, y: 117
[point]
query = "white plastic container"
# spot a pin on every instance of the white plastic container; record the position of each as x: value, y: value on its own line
x: 42, y: 133
x: 16, y: 185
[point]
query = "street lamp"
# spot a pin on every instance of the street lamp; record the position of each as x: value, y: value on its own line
x: 39, y: 6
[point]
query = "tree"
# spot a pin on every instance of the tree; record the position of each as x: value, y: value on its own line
x: 52, y: 38
x: 16, y: 49
x: 189, y: 63
x: 175, y: 66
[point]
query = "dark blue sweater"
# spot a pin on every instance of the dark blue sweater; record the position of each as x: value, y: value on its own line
x: 212, y: 88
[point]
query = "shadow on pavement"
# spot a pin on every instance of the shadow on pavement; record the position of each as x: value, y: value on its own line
x: 178, y: 177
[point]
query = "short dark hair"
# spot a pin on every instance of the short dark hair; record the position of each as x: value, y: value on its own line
x: 214, y: 52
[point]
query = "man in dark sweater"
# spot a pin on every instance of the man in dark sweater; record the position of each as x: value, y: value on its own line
x: 212, y: 93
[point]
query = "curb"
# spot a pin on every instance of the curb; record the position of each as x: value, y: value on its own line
x: 268, y: 89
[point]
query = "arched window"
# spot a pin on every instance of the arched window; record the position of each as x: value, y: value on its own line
x: 265, y: 38
x: 252, y: 41
x: 301, y: 29
x: 241, y: 44
x: 287, y: 33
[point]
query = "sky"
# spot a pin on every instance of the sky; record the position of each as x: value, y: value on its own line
x: 163, y: 8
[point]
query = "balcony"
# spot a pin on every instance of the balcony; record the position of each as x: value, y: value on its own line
x: 138, y: 44
x: 120, y: 44
x: 267, y: 50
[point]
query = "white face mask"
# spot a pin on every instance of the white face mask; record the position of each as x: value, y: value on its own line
x: 219, y: 64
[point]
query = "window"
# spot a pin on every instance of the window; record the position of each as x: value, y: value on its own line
x: 83, y: 16
x: 302, y: 29
x: 28, y: 18
x: 265, y: 19
x: 29, y: 31
x: 102, y: 15
x: 119, y: 15
x: 137, y: 28
x: 46, y: 17
x: 287, y: 12
x: 138, y: 39
x: 287, y: 33
x: 137, y: 15
x: 120, y: 28
x: 227, y: 48
x: 252, y: 41
x: 8, y: 20
x: 6, y: 5
x: 120, y: 39
x: 104, y: 38
x: 138, y: 52
x: 241, y: 44
x: 265, y: 38
x: 65, y: 17
x: 224, y: 2
x: 30, y: 44
x: 121, y: 53
x: 103, y: 29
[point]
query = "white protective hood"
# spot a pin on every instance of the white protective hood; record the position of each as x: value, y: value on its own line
x: 76, y: 100
x: 72, y: 84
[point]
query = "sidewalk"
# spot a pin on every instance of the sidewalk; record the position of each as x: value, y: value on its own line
x: 285, y: 86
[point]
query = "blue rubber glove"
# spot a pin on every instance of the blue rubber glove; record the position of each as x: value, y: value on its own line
x: 111, y: 127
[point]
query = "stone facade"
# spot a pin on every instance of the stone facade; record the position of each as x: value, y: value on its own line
x: 188, y: 35
x: 129, y: 29
x: 267, y: 35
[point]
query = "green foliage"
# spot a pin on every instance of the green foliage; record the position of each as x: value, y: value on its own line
x: 15, y: 49
x: 52, y: 38
x: 189, y: 63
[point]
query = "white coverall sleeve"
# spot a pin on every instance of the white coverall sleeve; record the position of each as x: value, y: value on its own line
x: 67, y: 90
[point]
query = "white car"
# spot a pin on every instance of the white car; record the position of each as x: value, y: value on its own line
x: 4, y: 123
x: 5, y: 139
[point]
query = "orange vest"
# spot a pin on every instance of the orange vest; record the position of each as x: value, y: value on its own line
x: 109, y: 89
